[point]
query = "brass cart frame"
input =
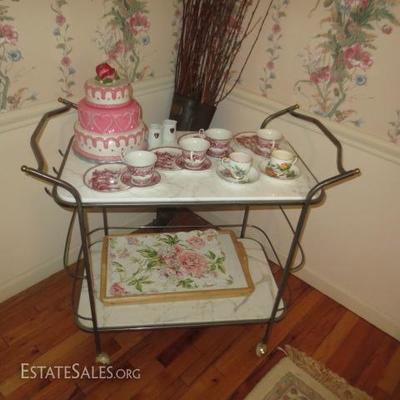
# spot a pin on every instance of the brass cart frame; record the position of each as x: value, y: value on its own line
x: 315, y: 195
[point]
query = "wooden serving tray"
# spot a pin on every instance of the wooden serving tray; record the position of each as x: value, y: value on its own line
x: 161, y: 267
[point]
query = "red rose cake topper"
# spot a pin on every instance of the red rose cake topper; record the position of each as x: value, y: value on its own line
x: 106, y: 73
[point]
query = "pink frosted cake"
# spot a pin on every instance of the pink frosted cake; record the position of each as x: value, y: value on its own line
x: 109, y: 120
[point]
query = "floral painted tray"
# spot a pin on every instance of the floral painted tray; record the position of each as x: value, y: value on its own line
x: 158, y: 267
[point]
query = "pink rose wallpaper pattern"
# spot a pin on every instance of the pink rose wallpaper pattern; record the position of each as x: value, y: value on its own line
x: 341, y: 60
x: 11, y: 96
x: 126, y: 33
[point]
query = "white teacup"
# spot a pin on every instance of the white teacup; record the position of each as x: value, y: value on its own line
x: 219, y: 141
x: 281, y: 161
x: 238, y: 163
x: 194, y: 151
x: 268, y: 140
x: 141, y: 165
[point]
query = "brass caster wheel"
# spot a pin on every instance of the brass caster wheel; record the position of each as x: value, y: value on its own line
x: 261, y: 349
x: 103, y: 359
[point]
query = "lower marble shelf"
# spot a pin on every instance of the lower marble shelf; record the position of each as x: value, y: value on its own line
x: 255, y: 308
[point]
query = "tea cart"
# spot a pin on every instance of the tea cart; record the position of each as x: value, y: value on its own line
x: 264, y: 305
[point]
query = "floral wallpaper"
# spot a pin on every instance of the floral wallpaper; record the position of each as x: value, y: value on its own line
x: 342, y: 59
x: 394, y: 130
x: 336, y: 58
x: 176, y: 24
x: 125, y: 34
x: 63, y: 40
x: 48, y: 48
x: 274, y: 45
x: 12, y: 95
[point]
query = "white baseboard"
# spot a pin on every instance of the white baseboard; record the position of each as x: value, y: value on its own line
x: 374, y: 317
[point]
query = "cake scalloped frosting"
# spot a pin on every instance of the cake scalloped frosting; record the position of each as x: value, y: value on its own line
x: 100, y: 147
x: 111, y: 94
x: 109, y: 120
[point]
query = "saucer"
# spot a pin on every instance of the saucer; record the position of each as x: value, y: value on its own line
x: 293, y: 174
x: 226, y: 175
x: 126, y: 179
x: 248, y: 140
x: 166, y: 158
x: 205, y: 166
x: 105, y: 178
x: 225, y: 154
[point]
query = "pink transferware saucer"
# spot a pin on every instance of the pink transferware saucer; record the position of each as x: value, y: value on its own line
x: 166, y: 158
x: 224, y: 154
x: 248, y: 140
x: 126, y: 179
x: 204, y: 167
x: 105, y: 178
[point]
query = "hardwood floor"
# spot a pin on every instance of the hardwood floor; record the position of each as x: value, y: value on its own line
x: 36, y: 327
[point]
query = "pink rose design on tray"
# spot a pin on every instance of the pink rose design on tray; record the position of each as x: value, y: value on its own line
x: 193, y: 263
x: 117, y: 289
x: 196, y: 242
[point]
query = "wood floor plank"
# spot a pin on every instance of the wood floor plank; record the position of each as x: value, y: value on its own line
x: 54, y: 357
x: 208, y: 386
x: 256, y: 375
x: 375, y: 367
x: 215, y: 341
x: 60, y: 390
x: 335, y: 338
x: 352, y: 357
x: 165, y: 387
x: 391, y: 374
x: 315, y: 325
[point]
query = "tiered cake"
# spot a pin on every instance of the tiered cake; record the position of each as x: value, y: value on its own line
x: 109, y: 120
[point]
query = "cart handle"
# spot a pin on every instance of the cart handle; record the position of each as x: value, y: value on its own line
x: 291, y: 110
x: 42, y: 165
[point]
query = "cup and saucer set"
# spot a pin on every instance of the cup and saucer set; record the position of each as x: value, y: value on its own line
x: 267, y: 144
x: 140, y: 168
x: 137, y: 169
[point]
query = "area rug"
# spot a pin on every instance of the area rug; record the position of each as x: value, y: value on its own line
x: 299, y: 377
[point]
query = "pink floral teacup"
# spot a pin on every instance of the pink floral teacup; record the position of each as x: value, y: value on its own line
x: 219, y: 141
x: 141, y: 165
x: 268, y: 140
x: 194, y: 152
x: 238, y: 164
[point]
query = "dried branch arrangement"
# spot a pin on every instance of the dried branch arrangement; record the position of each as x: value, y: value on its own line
x: 213, y: 32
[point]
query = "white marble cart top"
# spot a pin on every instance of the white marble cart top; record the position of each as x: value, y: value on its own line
x: 188, y: 187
